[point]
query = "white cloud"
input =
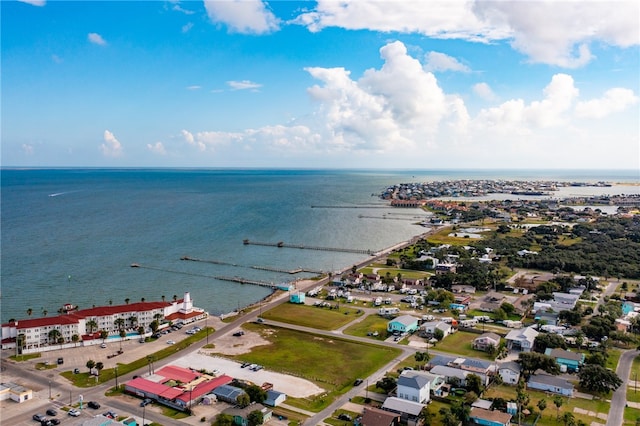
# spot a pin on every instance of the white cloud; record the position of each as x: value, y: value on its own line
x: 484, y: 91
x: 34, y: 2
x: 27, y: 149
x: 111, y: 146
x: 439, y: 62
x: 194, y: 87
x: 243, y: 85
x: 96, y: 38
x: 614, y: 100
x: 157, y: 148
x: 556, y: 33
x: 187, y: 27
x: 243, y: 16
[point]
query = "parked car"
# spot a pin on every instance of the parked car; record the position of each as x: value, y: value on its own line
x: 60, y: 361
x: 103, y: 345
x: 110, y: 414
x: 74, y: 413
x: 53, y: 421
x: 238, y: 333
x: 345, y: 416
x: 52, y: 412
x: 146, y: 402
x: 93, y: 404
x: 358, y: 382
x: 76, y: 371
x: 46, y: 422
x: 39, y: 417
x: 170, y: 342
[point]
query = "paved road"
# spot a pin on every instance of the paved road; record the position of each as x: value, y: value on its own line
x: 619, y: 399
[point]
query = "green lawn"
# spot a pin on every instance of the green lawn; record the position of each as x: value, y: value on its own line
x: 331, y: 362
x: 459, y: 343
x: 549, y: 415
x: 313, y: 316
x: 370, y: 324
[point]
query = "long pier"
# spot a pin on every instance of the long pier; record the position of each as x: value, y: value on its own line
x: 372, y: 206
x: 216, y: 277
x: 261, y: 268
x: 281, y: 244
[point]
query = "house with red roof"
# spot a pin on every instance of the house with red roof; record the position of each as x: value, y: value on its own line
x: 82, y: 327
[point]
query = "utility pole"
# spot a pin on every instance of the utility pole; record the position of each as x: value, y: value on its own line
x: 116, y: 370
x: 49, y: 389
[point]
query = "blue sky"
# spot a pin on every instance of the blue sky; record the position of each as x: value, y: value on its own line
x: 341, y: 84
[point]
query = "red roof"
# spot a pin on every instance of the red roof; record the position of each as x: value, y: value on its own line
x: 205, y: 388
x: 149, y: 387
x: 44, y: 321
x: 181, y: 374
x: 182, y: 315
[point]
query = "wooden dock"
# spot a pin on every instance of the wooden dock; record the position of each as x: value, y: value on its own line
x: 215, y: 277
x: 281, y: 244
x: 261, y: 268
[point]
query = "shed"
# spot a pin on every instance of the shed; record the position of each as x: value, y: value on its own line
x: 275, y: 398
x: 297, y: 297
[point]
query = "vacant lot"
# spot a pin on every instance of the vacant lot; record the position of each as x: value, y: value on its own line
x: 331, y: 362
x: 372, y: 323
x: 460, y: 343
x: 313, y: 316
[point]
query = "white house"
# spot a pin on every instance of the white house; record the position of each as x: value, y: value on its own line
x: 509, y: 372
x: 450, y: 373
x: 552, y: 384
x: 430, y: 328
x: 486, y: 340
x: 414, y: 386
x: 521, y: 339
x: 14, y: 392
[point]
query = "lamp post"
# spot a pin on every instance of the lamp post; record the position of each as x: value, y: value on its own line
x: 635, y: 385
x: 49, y: 389
x: 144, y: 412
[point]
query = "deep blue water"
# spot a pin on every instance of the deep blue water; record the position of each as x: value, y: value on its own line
x: 70, y: 236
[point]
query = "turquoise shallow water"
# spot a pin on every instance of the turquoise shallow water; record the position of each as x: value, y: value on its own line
x: 70, y: 236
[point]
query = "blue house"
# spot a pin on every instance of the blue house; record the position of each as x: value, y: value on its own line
x: 480, y: 416
x: 572, y: 361
x: 403, y: 324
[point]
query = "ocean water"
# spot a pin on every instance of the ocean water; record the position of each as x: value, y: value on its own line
x: 70, y: 236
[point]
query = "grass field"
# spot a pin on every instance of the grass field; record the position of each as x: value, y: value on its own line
x: 313, y: 316
x: 549, y: 415
x: 331, y: 362
x: 459, y: 343
x: 369, y: 324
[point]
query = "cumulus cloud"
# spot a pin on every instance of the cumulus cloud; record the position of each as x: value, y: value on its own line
x: 111, y: 147
x: 484, y: 91
x: 243, y: 85
x: 439, y: 62
x: 96, y: 38
x: 243, y: 16
x: 563, y: 39
x: 157, y: 148
x: 614, y: 100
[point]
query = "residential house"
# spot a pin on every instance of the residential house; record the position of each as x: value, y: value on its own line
x: 409, y: 411
x: 521, y: 339
x: 403, y: 324
x: 485, y: 341
x: 451, y: 374
x: 480, y: 416
x: 275, y: 398
x: 429, y: 328
x: 551, y: 384
x: 377, y: 417
x: 414, y: 386
x: 228, y: 393
x: 14, y: 392
x: 479, y: 367
x: 240, y: 415
x: 509, y: 372
x: 572, y: 361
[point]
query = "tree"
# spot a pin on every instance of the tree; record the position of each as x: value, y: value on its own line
x: 255, y: 418
x: 532, y: 361
x: 127, y: 300
x: 558, y: 401
x: 568, y: 419
x: 54, y: 335
x: 508, y: 308
x: 224, y: 420
x: 123, y: 334
x: 243, y: 400
x: 438, y: 334
x: 104, y: 334
x: 99, y: 366
x: 387, y: 384
x: 133, y: 321
x: 256, y: 393
x: 92, y: 325
x: 153, y: 326
x: 448, y: 418
x: 549, y: 340
x: 542, y: 405
x: 597, y: 378
x: 29, y: 312
x: 474, y: 384
x: 75, y: 339
x: 119, y: 323
x: 90, y: 364
x: 141, y: 330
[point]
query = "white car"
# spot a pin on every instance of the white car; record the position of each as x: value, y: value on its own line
x: 74, y: 413
x: 104, y: 345
x: 170, y: 342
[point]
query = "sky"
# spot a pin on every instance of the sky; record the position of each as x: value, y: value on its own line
x: 321, y: 84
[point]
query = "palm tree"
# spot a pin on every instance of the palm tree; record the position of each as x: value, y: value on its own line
x: 558, y: 401
x: 175, y: 297
x: 90, y: 364
x: 542, y: 404
x: 127, y: 300
x: 133, y: 320
x: 142, y: 299
x: 44, y: 312
x: 54, y: 335
x: 99, y: 367
x: 92, y: 324
x: 119, y: 323
x: 123, y: 334
x: 103, y: 335
x: 75, y: 339
x: 29, y: 312
x: 163, y: 297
